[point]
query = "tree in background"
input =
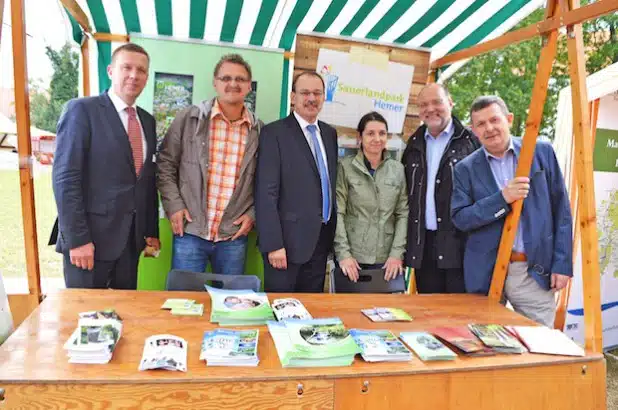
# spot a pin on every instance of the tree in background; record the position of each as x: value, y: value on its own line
x: 510, y: 72
x: 46, y: 106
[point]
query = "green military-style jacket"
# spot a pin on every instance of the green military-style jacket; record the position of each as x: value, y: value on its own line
x: 372, y: 211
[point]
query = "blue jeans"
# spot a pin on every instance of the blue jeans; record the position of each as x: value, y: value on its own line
x: 193, y: 253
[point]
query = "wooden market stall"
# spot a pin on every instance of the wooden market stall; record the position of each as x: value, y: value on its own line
x: 469, y: 389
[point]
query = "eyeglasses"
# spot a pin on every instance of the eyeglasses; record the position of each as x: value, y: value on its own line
x: 228, y: 79
x: 306, y: 94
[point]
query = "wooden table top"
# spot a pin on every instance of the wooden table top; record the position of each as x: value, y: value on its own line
x: 34, y: 352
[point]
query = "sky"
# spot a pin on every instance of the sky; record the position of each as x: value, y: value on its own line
x: 45, y: 25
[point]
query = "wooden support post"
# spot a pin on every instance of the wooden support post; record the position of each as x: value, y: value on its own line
x: 535, y: 114
x: 591, y: 277
x: 78, y: 14
x: 563, y: 297
x: 24, y: 148
x: 85, y: 65
x: 117, y: 38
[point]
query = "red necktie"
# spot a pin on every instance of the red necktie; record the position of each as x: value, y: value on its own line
x: 135, y: 138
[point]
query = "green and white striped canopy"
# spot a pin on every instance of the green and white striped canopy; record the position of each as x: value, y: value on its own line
x: 444, y: 26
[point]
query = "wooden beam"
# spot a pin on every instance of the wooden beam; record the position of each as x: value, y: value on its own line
x: 591, y: 277
x: 78, y: 14
x: 116, y: 38
x: 535, y: 115
x: 24, y: 148
x: 431, y: 78
x: 588, y: 12
x: 85, y: 49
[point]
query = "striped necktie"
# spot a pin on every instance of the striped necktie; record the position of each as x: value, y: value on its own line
x: 135, y: 138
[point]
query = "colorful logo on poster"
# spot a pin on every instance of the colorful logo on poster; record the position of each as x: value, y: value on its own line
x: 330, y: 82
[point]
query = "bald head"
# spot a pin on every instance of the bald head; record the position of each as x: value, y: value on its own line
x: 435, y: 107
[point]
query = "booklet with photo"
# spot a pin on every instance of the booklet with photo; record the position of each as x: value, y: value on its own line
x: 290, y: 308
x: 223, y: 347
x: 386, y: 314
x: 543, y: 340
x: 239, y: 307
x: 311, y: 343
x: 95, y: 338
x: 166, y: 352
x: 193, y: 310
x: 171, y: 304
x: 380, y: 346
x: 498, y: 338
x: 427, y: 347
x: 463, y: 339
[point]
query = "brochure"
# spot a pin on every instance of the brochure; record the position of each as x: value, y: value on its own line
x: 95, y: 338
x: 313, y: 343
x: 541, y: 339
x: 239, y: 307
x: 193, y: 310
x: 386, y: 314
x: 498, y: 338
x: 463, y: 339
x: 223, y: 347
x: 166, y: 352
x: 290, y: 308
x: 380, y: 346
x: 178, y: 304
x: 427, y: 347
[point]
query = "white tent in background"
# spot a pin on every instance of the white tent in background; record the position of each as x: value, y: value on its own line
x: 603, y: 96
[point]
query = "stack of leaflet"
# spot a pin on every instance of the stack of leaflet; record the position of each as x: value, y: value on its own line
x: 313, y: 343
x: 95, y: 338
x: 380, y: 346
x: 498, y: 338
x: 239, y: 307
x: 427, y: 347
x: 183, y: 307
x: 222, y: 347
x: 541, y: 339
x: 463, y: 339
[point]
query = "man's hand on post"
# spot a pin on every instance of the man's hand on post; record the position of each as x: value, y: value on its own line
x: 278, y: 259
x: 83, y: 256
x: 517, y: 188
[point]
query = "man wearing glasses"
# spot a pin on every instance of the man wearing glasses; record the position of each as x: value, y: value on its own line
x: 205, y: 175
x: 295, y: 192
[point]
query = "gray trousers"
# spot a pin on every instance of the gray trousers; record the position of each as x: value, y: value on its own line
x: 528, y: 297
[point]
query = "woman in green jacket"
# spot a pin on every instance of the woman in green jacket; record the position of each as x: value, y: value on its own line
x: 372, y: 205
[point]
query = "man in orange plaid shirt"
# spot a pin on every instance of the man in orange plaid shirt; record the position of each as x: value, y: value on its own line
x: 205, y: 174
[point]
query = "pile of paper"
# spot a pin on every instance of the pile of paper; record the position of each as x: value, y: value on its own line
x: 183, y: 307
x: 290, y: 308
x: 498, y: 338
x: 166, y: 352
x: 380, y: 346
x: 386, y: 314
x: 239, y: 307
x: 463, y: 339
x: 427, y: 347
x: 313, y: 343
x: 223, y: 347
x: 95, y: 338
x: 541, y: 339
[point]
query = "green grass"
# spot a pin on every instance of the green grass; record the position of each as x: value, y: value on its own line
x: 612, y: 380
x: 12, y: 249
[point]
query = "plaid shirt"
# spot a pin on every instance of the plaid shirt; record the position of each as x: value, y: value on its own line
x: 226, y: 151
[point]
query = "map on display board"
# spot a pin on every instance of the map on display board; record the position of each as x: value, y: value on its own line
x: 362, y: 81
x: 605, y: 164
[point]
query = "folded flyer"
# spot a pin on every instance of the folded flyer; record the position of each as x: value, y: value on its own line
x: 95, y: 338
x: 386, y: 314
x: 380, y: 346
x: 427, y: 347
x: 166, y: 352
x: 239, y: 307
x: 290, y: 308
x: 498, y: 338
x: 224, y: 347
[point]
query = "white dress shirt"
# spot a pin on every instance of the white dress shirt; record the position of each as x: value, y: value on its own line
x: 303, y: 125
x: 120, y: 107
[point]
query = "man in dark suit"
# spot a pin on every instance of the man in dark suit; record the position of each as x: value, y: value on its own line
x: 295, y: 192
x: 484, y: 190
x: 104, y: 180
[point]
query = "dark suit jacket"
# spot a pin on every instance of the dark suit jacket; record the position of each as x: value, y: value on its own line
x: 288, y: 196
x: 97, y: 191
x: 479, y: 208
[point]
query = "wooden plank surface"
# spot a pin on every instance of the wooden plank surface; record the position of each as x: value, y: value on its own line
x: 564, y: 387
x: 21, y: 306
x: 306, y: 58
x: 34, y: 352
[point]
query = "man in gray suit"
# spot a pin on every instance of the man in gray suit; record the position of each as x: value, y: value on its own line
x: 104, y: 179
